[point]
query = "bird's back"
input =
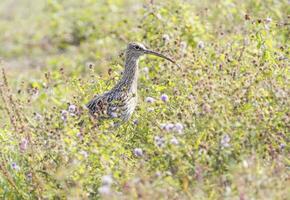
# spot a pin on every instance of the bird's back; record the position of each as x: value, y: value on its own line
x: 98, y: 106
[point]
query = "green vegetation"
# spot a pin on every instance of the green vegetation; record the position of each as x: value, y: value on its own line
x: 223, y: 132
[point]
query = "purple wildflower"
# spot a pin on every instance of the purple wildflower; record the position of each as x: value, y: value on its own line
x: 15, y: 166
x: 150, y: 100
x: 114, y: 115
x: 162, y: 126
x: 282, y: 146
x: 268, y: 20
x: 29, y: 176
x: 135, y: 122
x: 178, y: 127
x: 159, y: 141
x: 206, y: 108
x: 225, y: 140
x: 164, y: 98
x: 23, y: 144
x: 64, y: 115
x: 169, y: 127
x: 138, y: 152
x: 79, y: 135
x: 158, y: 174
x: 174, y: 141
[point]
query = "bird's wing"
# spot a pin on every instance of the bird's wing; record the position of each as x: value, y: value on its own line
x: 98, y: 105
x: 108, y: 105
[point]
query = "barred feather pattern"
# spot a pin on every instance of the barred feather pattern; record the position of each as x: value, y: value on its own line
x: 119, y: 102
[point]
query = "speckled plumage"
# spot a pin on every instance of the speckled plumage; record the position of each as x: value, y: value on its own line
x: 121, y: 100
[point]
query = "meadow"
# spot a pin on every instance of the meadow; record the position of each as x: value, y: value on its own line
x: 214, y: 127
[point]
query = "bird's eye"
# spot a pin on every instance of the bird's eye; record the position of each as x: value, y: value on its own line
x: 137, y: 48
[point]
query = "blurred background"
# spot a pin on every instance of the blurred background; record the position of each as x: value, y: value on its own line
x: 36, y: 34
x: 45, y: 33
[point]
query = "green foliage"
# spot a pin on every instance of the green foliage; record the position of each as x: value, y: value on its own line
x: 223, y: 133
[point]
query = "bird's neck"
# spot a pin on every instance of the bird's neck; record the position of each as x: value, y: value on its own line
x: 130, y: 76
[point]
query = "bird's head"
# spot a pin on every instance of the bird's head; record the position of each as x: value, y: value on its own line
x: 137, y: 50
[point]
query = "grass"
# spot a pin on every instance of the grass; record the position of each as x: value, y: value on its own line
x: 223, y: 133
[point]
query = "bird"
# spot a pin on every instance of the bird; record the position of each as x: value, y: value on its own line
x: 120, y: 102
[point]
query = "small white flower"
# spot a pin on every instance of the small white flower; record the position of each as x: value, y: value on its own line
x: 150, y: 109
x: 158, y: 15
x: 29, y: 176
x: 104, y: 190
x: 225, y: 140
x: 201, y: 151
x: 37, y: 116
x: 114, y: 108
x: 183, y: 46
x: 79, y: 135
x: 228, y: 190
x: 146, y: 70
x: 179, y: 127
x: 84, y: 153
x: 166, y: 38
x: 72, y: 108
x: 158, y: 174
x: 162, y: 126
x: 138, y: 152
x: 90, y: 65
x: 114, y: 115
x: 107, y: 180
x: 174, y: 141
x: 136, y: 180
x: 15, y: 166
x: 168, y: 173
x: 64, y: 115
x: 200, y: 45
x: 245, y: 164
x: 150, y: 100
x: 206, y: 108
x: 35, y: 92
x: 282, y: 146
x: 268, y: 20
x: 23, y: 144
x: 169, y: 127
x: 159, y: 141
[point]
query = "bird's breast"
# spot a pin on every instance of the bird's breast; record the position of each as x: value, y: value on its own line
x: 122, y: 105
x: 129, y: 106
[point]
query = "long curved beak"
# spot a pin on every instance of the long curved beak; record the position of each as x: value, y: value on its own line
x: 159, y: 55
